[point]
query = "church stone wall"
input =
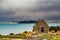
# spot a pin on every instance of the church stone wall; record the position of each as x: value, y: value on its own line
x: 41, y: 24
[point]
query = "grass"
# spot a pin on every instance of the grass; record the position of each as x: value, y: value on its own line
x: 42, y: 37
x: 11, y: 36
x: 50, y: 37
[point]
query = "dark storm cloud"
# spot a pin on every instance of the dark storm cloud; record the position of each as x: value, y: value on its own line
x: 51, y: 5
x: 53, y: 17
x: 55, y: 7
x: 29, y: 9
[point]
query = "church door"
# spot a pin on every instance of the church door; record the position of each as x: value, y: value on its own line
x: 42, y: 29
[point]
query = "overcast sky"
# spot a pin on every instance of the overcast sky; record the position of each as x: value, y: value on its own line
x: 17, y: 10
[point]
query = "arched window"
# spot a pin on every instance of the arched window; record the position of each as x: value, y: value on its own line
x: 42, y: 29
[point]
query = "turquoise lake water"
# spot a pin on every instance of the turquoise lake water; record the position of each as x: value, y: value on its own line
x: 18, y: 28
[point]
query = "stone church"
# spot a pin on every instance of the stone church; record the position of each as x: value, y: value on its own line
x: 41, y: 26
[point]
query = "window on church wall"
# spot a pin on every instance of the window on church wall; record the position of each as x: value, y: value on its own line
x: 42, y: 29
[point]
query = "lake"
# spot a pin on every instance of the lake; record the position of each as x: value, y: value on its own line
x: 18, y: 28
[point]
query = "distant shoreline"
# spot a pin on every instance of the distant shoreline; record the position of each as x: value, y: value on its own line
x: 32, y: 21
x: 23, y: 23
x: 27, y: 22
